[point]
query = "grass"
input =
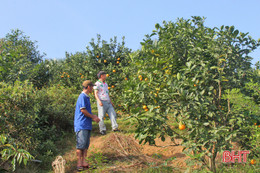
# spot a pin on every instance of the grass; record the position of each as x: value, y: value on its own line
x: 106, y: 162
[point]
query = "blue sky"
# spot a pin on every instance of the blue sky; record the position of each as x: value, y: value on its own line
x: 66, y: 25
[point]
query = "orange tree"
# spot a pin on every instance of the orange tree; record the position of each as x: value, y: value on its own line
x: 21, y: 60
x: 182, y: 76
x: 111, y: 57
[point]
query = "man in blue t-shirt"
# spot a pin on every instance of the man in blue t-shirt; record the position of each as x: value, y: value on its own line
x: 83, y: 124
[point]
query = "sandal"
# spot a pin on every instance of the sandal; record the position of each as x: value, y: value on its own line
x: 80, y: 168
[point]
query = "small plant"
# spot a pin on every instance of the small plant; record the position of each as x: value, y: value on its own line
x: 96, y: 160
x: 13, y: 153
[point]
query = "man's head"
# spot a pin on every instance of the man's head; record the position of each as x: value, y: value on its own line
x: 87, y: 86
x: 102, y: 75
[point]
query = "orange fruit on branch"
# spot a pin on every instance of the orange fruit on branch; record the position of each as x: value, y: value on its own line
x: 182, y: 126
x: 253, y: 161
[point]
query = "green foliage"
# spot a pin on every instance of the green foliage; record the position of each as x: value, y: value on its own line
x: 188, y: 69
x: 13, y: 152
x: 190, y: 74
x: 100, y: 55
x: 35, y: 119
x: 18, y: 56
x: 96, y: 160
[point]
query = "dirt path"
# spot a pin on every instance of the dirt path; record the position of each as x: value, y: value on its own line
x: 124, y: 154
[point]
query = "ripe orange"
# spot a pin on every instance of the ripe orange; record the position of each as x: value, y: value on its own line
x: 114, y: 71
x: 108, y: 88
x: 155, y: 95
x: 82, y: 77
x: 182, y: 126
x: 146, y: 110
x: 113, y: 86
x: 144, y: 107
x: 253, y: 161
x: 146, y: 79
x: 118, y: 59
x: 194, y: 85
x: 62, y: 76
x: 140, y: 76
x: 105, y: 61
x: 117, y: 62
x: 125, y: 78
x: 97, y: 56
x: 255, y: 124
x: 107, y: 75
x: 68, y: 76
x: 259, y: 126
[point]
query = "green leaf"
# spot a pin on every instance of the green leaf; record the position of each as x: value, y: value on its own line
x: 178, y: 76
x: 206, y: 124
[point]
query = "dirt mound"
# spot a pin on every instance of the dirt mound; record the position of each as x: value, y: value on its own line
x: 118, y: 146
x: 121, y: 145
x: 125, y: 154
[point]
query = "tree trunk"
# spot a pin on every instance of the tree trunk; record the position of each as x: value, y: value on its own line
x: 213, y: 159
x: 213, y: 164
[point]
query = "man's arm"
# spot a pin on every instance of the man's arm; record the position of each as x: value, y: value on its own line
x: 86, y: 113
x: 96, y: 96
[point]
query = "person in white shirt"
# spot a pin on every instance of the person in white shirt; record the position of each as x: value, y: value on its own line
x: 104, y: 103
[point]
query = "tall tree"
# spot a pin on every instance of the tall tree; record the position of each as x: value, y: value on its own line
x: 18, y: 56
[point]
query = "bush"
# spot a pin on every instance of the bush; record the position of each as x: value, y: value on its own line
x: 36, y: 119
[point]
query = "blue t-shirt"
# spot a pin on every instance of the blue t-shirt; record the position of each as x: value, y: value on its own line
x: 81, y: 121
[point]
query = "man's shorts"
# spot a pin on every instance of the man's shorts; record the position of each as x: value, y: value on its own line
x: 83, y: 139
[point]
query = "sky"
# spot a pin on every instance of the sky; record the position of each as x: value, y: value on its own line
x: 61, y: 26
